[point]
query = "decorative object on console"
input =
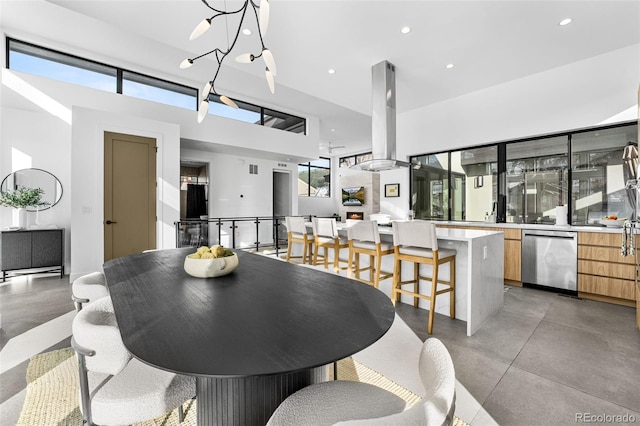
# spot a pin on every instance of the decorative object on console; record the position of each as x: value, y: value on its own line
x: 20, y: 199
x: 392, y: 190
x: 262, y: 20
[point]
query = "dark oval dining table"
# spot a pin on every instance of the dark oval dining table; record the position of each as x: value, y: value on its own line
x: 250, y: 338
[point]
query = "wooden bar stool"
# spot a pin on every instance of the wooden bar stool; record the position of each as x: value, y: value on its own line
x: 415, y: 241
x: 364, y: 238
x: 297, y: 233
x: 325, y: 236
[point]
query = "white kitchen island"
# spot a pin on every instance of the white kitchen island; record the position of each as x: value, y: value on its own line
x: 479, y: 274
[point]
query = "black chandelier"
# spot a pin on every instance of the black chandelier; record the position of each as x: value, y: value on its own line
x: 261, y: 13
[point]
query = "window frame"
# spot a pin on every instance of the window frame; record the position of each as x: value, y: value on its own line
x: 121, y: 74
x: 502, y: 161
x: 311, y: 166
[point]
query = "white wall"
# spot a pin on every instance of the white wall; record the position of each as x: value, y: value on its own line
x: 40, y: 140
x: 234, y: 192
x: 582, y: 94
x: 59, y: 125
x: 397, y: 207
x: 87, y: 182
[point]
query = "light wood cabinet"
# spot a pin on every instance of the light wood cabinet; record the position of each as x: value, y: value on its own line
x: 603, y: 273
x: 512, y: 261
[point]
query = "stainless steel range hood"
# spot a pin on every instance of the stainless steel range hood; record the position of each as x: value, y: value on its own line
x: 383, y: 120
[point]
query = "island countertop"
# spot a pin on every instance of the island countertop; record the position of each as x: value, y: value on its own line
x: 479, y: 254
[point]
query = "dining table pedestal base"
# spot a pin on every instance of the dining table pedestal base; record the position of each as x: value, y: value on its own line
x: 245, y: 401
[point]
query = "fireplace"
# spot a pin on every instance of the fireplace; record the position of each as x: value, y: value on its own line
x: 355, y: 215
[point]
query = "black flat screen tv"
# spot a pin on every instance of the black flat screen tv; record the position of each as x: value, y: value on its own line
x: 353, y: 196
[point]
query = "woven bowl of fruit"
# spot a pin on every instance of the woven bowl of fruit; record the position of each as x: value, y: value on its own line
x: 209, y: 262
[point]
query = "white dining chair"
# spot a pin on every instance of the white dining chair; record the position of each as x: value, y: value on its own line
x: 348, y: 403
x: 88, y: 288
x: 325, y: 237
x: 115, y: 388
x: 297, y: 234
x: 415, y: 241
x: 364, y: 239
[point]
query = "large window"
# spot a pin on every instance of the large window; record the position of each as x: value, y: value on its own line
x: 430, y: 183
x: 474, y: 174
x: 314, y: 178
x: 537, y: 176
x: 59, y: 66
x: 152, y: 89
x: 600, y: 172
x: 524, y: 181
x: 32, y: 59
x: 255, y: 114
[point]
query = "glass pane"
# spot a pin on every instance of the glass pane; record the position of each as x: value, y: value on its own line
x: 50, y: 68
x: 245, y: 112
x: 347, y: 162
x: 599, y: 174
x: 151, y: 89
x: 303, y: 181
x: 364, y: 157
x: 475, y: 183
x: 322, y: 162
x: 537, y: 174
x: 430, y: 186
x: 320, y: 182
x: 282, y: 121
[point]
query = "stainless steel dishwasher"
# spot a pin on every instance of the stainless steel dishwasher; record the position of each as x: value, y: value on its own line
x: 550, y: 259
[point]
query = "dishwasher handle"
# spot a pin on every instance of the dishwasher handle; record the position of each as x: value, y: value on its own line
x: 567, y: 237
x: 549, y: 234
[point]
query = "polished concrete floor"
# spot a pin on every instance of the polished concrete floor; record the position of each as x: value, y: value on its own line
x: 543, y: 359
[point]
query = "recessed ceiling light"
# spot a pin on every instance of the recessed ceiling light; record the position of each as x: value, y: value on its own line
x: 333, y: 130
x: 246, y: 31
x: 332, y: 71
x: 565, y: 21
x: 449, y: 66
x: 405, y: 30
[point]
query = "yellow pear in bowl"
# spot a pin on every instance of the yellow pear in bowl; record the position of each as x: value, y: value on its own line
x: 211, y: 262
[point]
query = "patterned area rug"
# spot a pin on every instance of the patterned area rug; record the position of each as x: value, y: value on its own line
x: 52, y: 391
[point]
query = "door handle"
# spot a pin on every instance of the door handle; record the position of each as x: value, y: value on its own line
x: 108, y: 222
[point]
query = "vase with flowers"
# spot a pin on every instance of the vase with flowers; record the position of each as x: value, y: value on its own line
x: 20, y: 199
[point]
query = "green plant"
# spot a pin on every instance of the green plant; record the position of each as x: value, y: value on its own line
x: 23, y: 197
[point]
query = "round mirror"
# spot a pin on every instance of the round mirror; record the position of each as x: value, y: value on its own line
x: 35, y: 178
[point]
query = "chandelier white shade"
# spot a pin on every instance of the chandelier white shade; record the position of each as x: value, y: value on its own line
x: 261, y: 14
x: 270, y: 80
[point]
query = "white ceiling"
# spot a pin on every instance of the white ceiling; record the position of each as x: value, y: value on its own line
x: 490, y: 42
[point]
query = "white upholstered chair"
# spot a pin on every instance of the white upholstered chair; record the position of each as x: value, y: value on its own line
x: 325, y: 236
x: 297, y: 234
x: 354, y: 403
x: 364, y: 238
x: 415, y: 241
x: 88, y: 288
x: 115, y: 388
